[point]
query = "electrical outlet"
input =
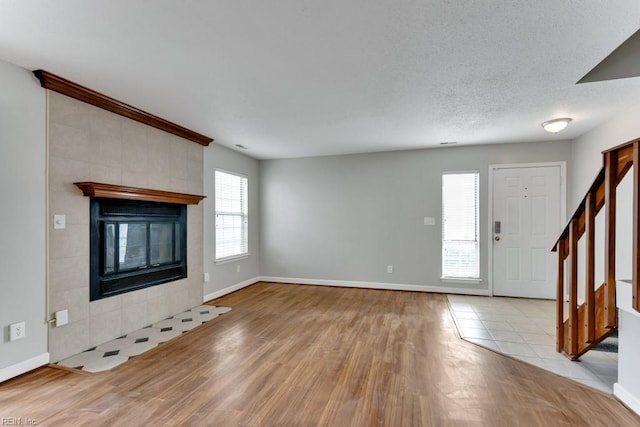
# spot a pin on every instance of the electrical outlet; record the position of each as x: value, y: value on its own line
x: 62, y: 317
x: 238, y: 268
x: 17, y: 331
x: 389, y: 268
x: 206, y: 277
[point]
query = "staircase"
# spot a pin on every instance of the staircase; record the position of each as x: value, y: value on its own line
x: 588, y: 323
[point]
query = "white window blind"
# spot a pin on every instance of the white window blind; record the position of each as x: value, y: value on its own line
x: 460, y: 246
x: 232, y: 222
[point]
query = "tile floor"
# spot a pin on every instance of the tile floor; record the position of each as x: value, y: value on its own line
x: 525, y: 329
x: 115, y: 352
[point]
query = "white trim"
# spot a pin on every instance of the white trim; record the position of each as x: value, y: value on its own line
x: 24, y: 366
x: 229, y: 289
x: 563, y: 204
x: 231, y: 258
x: 376, y: 285
x: 241, y: 175
x: 630, y: 400
x: 475, y: 280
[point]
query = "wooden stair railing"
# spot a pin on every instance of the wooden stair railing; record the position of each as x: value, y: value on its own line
x: 592, y: 321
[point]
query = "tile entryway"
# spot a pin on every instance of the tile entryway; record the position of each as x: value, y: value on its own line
x: 525, y: 329
x: 115, y: 352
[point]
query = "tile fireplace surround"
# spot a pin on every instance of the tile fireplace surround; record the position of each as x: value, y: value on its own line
x: 90, y: 144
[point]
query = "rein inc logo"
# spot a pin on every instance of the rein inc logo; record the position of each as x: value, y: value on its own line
x: 17, y: 421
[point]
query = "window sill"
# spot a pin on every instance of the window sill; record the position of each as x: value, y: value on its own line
x: 461, y: 280
x: 231, y: 258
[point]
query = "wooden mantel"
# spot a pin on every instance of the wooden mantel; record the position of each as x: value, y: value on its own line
x: 84, y: 94
x: 110, y: 191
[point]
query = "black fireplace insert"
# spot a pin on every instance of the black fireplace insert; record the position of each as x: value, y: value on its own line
x: 135, y: 245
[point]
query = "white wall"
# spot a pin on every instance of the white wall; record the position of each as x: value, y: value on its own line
x: 345, y: 218
x: 587, y: 160
x: 586, y: 156
x: 225, y: 276
x: 22, y: 213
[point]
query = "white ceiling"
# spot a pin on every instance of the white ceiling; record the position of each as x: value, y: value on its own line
x: 292, y: 78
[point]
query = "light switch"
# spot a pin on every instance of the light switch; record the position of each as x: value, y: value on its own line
x: 429, y: 220
x: 59, y: 221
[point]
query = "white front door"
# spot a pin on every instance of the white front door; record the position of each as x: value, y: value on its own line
x: 526, y: 223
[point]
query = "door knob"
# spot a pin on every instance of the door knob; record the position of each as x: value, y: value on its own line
x: 497, y: 238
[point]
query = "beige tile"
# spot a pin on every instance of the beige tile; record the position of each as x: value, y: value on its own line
x: 134, y: 134
x: 195, y: 293
x: 520, y: 326
x: 64, y: 172
x: 75, y: 300
x: 105, y: 326
x: 515, y: 348
x: 497, y: 326
x: 470, y: 323
x: 135, y: 156
x: 65, y: 341
x: 67, y: 111
x: 178, y: 302
x: 547, y: 352
x: 490, y: 344
x: 195, y: 170
x: 195, y: 187
x: 466, y: 315
x: 159, y: 182
x: 158, y: 162
x: 194, y: 151
x: 72, y: 241
x: 159, y: 141
x: 106, y: 305
x: 106, y: 174
x: 69, y: 273
x: 180, y: 186
x: 134, y: 317
x: 543, y: 339
x: 157, y: 291
x: 480, y: 333
x: 195, y: 217
x: 509, y: 336
x: 71, y: 204
x: 135, y: 297
x: 135, y: 179
x: 178, y: 169
x: 158, y: 309
x: 68, y: 142
x: 178, y: 147
x: 104, y: 124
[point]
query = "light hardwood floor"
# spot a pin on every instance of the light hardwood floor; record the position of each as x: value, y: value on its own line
x: 309, y: 355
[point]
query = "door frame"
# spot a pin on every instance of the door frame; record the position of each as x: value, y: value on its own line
x: 563, y: 203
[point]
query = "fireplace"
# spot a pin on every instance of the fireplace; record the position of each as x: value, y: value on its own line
x: 135, y: 244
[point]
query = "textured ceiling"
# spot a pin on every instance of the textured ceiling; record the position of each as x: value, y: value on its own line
x: 294, y: 78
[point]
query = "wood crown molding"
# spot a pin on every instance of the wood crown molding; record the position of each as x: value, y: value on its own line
x: 81, y: 93
x: 110, y: 191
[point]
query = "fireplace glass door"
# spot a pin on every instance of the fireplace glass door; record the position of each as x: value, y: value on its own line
x: 135, y: 245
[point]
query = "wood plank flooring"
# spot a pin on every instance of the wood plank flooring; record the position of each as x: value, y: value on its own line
x: 290, y: 355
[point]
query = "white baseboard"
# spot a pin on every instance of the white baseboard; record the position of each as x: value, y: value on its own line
x: 229, y: 289
x: 632, y: 401
x: 24, y: 366
x: 377, y: 285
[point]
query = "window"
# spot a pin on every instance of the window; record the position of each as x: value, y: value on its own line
x: 460, y: 247
x: 231, y: 215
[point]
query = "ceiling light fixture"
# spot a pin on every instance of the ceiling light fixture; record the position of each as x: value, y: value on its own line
x: 556, y: 125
